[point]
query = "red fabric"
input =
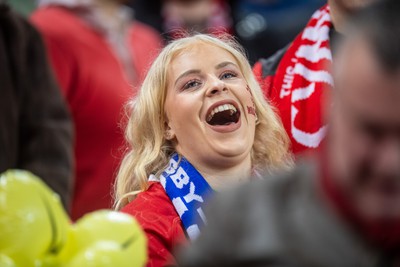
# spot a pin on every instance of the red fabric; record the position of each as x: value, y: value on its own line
x: 300, y: 108
x: 155, y: 213
x: 94, y: 85
x: 266, y: 83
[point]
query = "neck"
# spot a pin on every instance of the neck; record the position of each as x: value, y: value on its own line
x: 339, y: 15
x: 220, y: 178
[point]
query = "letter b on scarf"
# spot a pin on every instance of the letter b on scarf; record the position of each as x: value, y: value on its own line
x: 180, y: 178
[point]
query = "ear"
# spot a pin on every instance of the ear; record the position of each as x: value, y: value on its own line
x: 169, y: 133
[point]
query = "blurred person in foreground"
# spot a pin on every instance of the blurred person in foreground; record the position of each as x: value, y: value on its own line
x: 344, y: 208
x: 195, y: 128
x: 100, y: 56
x: 35, y: 126
x: 296, y: 78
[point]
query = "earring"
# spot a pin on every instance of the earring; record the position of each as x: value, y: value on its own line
x: 168, y: 135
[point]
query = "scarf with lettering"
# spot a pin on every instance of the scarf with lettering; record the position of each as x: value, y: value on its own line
x: 188, y: 191
x: 303, y: 74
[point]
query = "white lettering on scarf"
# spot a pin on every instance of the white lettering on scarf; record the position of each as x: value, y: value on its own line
x: 287, y: 82
x: 193, y: 231
x: 312, y: 53
x: 179, y: 206
x: 180, y: 178
x: 187, y: 190
x: 192, y: 196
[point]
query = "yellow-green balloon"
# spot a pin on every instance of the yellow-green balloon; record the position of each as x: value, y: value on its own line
x: 35, y: 230
x: 106, y: 237
x: 33, y: 222
x: 6, y: 261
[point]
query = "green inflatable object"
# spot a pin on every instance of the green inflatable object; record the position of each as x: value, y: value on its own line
x: 35, y: 230
x: 6, y: 261
x: 104, y: 237
x: 33, y: 222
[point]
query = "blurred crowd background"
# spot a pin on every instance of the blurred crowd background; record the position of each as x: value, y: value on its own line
x: 261, y: 26
x: 99, y: 52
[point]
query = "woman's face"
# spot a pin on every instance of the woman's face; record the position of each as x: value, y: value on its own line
x: 209, y: 108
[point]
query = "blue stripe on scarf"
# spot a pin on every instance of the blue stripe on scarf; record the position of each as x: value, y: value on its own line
x: 188, y: 191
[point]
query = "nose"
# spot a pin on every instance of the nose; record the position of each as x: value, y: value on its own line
x: 215, y: 86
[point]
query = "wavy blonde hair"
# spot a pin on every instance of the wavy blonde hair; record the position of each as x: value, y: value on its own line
x: 149, y: 151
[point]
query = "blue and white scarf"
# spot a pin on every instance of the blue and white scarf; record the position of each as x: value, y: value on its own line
x: 188, y: 191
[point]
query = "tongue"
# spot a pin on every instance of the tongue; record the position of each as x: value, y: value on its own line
x: 226, y: 117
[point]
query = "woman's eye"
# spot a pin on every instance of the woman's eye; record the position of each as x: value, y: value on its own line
x: 191, y: 84
x: 228, y: 75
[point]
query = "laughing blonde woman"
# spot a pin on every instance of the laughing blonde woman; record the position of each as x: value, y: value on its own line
x: 199, y: 124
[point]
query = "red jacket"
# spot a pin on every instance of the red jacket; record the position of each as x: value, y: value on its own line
x: 95, y: 88
x: 155, y: 213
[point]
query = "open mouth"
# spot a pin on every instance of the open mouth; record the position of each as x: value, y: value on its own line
x: 225, y: 114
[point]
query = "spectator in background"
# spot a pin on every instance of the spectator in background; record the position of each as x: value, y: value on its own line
x: 296, y: 77
x: 35, y: 126
x: 201, y: 16
x: 344, y: 209
x: 262, y: 26
x: 100, y: 56
x: 174, y: 17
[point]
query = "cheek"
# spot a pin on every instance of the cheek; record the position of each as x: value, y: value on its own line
x: 182, y: 111
x: 250, y: 105
x: 351, y: 151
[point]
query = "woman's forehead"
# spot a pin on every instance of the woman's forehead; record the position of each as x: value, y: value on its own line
x: 201, y: 48
x: 200, y: 56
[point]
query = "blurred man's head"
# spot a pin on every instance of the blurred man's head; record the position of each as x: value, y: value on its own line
x: 351, y: 5
x: 342, y: 10
x: 364, y: 140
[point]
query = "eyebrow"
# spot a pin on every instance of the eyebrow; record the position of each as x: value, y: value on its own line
x: 186, y: 73
x: 224, y: 64
x: 196, y: 71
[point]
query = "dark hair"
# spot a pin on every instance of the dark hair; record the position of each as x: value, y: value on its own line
x: 379, y: 23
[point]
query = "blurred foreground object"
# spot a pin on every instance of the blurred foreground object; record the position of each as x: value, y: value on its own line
x: 35, y: 126
x: 35, y: 230
x: 32, y: 220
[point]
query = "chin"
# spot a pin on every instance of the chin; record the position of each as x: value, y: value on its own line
x: 233, y: 148
x: 380, y: 208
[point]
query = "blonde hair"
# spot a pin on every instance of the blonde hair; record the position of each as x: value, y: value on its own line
x: 149, y: 151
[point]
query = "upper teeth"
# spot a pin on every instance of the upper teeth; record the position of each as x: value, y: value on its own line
x: 220, y: 109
